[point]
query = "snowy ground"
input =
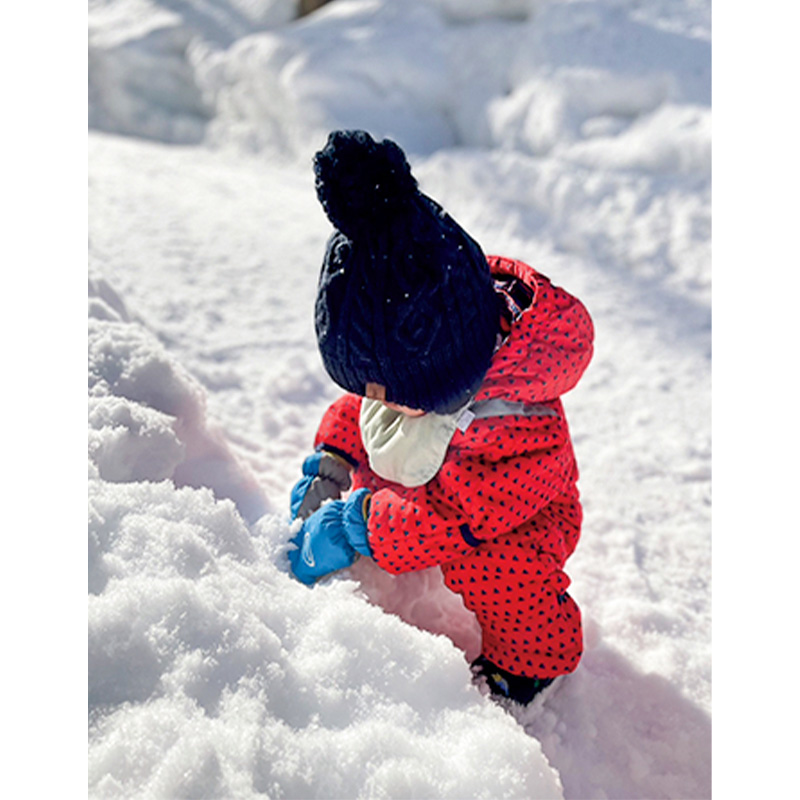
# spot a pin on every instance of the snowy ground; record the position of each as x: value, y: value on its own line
x: 573, y: 135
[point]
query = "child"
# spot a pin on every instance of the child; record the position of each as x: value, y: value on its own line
x: 452, y: 434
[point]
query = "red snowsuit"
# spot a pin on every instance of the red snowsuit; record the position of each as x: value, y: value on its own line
x: 502, y: 515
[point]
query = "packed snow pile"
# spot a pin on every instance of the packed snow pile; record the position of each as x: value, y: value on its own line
x: 211, y: 672
x: 572, y: 135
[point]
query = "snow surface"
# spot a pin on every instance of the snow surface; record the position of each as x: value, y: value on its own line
x: 573, y: 135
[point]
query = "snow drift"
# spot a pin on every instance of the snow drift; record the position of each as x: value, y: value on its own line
x: 211, y: 672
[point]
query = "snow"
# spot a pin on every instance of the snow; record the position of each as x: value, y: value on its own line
x: 573, y: 135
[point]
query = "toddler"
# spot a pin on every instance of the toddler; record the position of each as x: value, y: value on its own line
x: 451, y: 438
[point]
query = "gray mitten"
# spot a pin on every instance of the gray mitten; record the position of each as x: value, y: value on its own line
x: 325, y: 477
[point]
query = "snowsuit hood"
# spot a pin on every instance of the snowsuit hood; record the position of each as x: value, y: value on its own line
x: 549, y: 348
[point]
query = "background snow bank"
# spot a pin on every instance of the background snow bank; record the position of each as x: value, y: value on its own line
x: 568, y: 73
x: 143, y: 55
x: 534, y: 76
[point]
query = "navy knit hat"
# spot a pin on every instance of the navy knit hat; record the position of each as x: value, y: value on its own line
x: 405, y: 295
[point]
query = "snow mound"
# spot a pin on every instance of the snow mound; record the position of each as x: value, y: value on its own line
x: 342, y: 67
x: 212, y: 673
x: 147, y: 415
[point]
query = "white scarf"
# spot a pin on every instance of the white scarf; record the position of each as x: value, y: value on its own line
x: 403, y: 449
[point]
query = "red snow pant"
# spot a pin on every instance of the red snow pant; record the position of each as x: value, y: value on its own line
x: 530, y: 624
x: 517, y: 589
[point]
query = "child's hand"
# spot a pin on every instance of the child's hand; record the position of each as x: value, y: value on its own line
x: 331, y: 537
x: 325, y: 477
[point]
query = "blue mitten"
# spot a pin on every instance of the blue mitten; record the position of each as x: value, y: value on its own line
x: 325, y: 477
x: 331, y: 537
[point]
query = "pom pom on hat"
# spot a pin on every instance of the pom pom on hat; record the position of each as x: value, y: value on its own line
x: 405, y: 296
x: 360, y: 182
